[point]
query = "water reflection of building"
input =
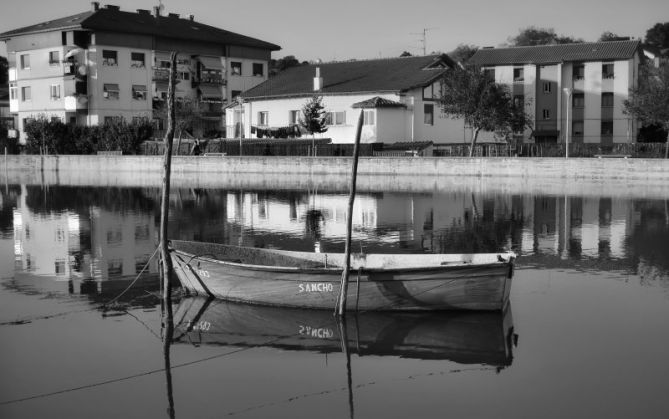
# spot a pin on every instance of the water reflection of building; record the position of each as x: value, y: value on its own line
x: 90, y: 243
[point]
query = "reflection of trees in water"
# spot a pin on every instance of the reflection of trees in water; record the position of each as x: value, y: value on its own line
x: 48, y: 199
x: 9, y: 196
x: 479, y: 236
x: 647, y: 242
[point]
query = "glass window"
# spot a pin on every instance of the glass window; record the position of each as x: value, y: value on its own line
x: 25, y: 62
x: 236, y: 68
x: 547, y: 87
x: 293, y: 117
x: 335, y: 118
x: 139, y: 92
x: 54, y: 91
x: 368, y: 117
x: 13, y: 93
x: 546, y: 113
x: 110, y: 91
x: 518, y: 75
x: 263, y: 118
x: 137, y: 59
x: 607, y: 71
x: 109, y: 57
x: 54, y: 57
x: 578, y: 100
x: 607, y: 99
x: 428, y: 114
x: 258, y: 69
x: 607, y: 127
x: 577, y: 128
x: 578, y: 71
x: 25, y: 93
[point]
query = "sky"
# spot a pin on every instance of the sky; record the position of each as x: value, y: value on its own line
x: 363, y: 29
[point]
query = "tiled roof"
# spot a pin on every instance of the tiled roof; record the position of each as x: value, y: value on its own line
x: 378, y: 102
x: 550, y: 54
x: 113, y: 20
x: 380, y: 75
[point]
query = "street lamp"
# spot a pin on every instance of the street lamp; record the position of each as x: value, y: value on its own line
x: 567, y: 91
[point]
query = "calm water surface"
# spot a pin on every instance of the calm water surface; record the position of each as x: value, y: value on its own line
x: 585, y: 335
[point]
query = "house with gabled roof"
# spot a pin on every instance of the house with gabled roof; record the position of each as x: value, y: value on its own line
x: 106, y: 63
x: 398, y: 96
x: 573, y: 92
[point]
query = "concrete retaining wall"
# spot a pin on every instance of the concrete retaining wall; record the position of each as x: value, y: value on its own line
x: 545, y: 175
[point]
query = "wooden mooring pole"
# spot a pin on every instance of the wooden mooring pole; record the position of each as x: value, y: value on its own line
x: 167, y: 165
x: 341, y: 301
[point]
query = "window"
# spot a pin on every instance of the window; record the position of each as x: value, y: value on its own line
x: 13, y: 93
x: 489, y: 73
x: 428, y: 114
x: 110, y: 91
x: 607, y: 100
x: 139, y: 92
x: 183, y: 61
x: 184, y: 75
x: 547, y: 87
x: 25, y: 62
x: 578, y: 100
x: 607, y: 127
x: 54, y: 91
x: 164, y: 64
x: 293, y: 117
x: 59, y: 267
x: 54, y: 58
x: 577, y: 128
x: 263, y: 118
x: 607, y: 71
x: 25, y: 93
x: 258, y: 69
x: 137, y: 59
x: 236, y: 93
x: 109, y: 57
x: 546, y: 114
x: 368, y: 117
x: 115, y: 267
x: 335, y: 118
x: 518, y: 75
x: 236, y: 68
x: 578, y: 72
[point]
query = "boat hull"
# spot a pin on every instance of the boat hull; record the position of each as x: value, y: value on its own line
x: 465, y: 287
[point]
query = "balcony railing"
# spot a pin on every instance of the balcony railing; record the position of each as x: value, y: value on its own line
x: 213, y: 80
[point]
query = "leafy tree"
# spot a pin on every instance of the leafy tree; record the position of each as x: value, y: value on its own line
x: 649, y: 101
x: 532, y: 35
x: 610, y: 36
x: 313, y: 118
x: 405, y: 54
x: 4, y: 71
x: 484, y: 105
x: 463, y: 52
x: 277, y: 66
x: 657, y: 37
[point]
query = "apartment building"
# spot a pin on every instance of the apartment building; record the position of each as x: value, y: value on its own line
x: 573, y: 92
x: 106, y: 63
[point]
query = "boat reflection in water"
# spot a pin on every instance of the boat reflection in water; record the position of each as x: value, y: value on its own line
x: 463, y: 337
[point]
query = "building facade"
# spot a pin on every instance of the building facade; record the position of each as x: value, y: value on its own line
x: 105, y: 64
x: 572, y: 92
x: 398, y: 96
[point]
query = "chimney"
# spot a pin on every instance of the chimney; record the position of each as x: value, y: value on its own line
x: 112, y: 7
x: 143, y: 12
x: 318, y: 80
x: 174, y: 15
x: 191, y: 17
x: 95, y: 5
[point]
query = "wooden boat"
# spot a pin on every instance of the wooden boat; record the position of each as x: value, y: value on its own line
x: 312, y: 280
x: 465, y: 337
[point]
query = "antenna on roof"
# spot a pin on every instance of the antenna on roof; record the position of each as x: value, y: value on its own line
x: 161, y: 7
x: 423, y: 39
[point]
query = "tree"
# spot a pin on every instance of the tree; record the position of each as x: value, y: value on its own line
x: 532, y: 35
x: 484, y: 105
x: 405, y: 54
x: 313, y: 118
x: 609, y: 36
x: 649, y: 101
x: 657, y: 37
x: 188, y: 115
x: 4, y: 71
x: 277, y: 66
x: 463, y: 52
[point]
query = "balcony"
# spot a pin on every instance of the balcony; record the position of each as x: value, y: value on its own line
x: 211, y: 79
x: 161, y: 74
x: 76, y: 102
x: 12, y: 74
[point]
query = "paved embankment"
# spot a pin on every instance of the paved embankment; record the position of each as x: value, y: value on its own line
x: 611, y: 177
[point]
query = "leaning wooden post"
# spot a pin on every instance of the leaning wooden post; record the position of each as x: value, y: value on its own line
x: 167, y: 165
x: 341, y: 302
